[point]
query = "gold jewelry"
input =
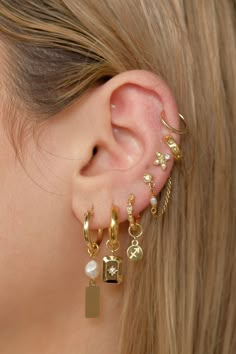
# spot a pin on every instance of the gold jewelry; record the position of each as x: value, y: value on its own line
x: 170, y: 141
x: 92, y: 299
x: 184, y: 131
x: 161, y: 160
x: 112, y: 265
x: 134, y: 251
x: 148, y: 179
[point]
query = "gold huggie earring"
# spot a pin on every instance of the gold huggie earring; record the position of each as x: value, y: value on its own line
x: 92, y: 303
x: 148, y: 179
x: 112, y: 265
x: 184, y: 131
x: 134, y: 251
x: 170, y: 141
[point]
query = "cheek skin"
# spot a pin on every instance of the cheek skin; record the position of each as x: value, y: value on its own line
x: 41, y: 250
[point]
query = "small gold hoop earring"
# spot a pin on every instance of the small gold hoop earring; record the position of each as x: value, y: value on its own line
x: 86, y: 230
x: 113, y: 244
x: 170, y: 141
x: 184, y: 131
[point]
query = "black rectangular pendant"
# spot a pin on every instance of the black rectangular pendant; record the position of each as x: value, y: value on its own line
x: 92, y: 301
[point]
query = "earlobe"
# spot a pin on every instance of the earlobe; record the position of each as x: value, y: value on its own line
x: 128, y: 136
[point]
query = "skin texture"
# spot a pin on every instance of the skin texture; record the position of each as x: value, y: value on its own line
x: 42, y: 207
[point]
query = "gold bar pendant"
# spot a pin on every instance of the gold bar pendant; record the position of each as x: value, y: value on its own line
x: 92, y: 301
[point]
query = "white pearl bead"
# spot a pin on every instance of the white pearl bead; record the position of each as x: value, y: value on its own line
x: 153, y: 201
x: 92, y: 269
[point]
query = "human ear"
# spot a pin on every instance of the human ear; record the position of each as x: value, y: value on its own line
x: 124, y: 131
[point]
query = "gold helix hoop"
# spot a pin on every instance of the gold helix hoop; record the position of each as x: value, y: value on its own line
x: 183, y: 131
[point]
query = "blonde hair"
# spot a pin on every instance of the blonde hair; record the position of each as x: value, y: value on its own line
x: 181, y: 299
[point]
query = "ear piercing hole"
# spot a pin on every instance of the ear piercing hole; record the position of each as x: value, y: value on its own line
x: 95, y: 150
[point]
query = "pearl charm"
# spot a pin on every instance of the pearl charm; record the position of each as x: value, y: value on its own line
x: 92, y: 269
x: 153, y: 201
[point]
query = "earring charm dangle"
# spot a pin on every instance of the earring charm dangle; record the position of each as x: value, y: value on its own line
x: 134, y: 251
x: 112, y: 264
x: 92, y: 298
x: 148, y: 179
x: 176, y: 131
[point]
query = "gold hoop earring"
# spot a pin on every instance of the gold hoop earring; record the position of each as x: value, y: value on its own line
x: 112, y: 265
x: 184, y: 131
x: 170, y: 141
x: 92, y: 297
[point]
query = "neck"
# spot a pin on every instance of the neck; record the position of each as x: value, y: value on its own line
x: 69, y: 332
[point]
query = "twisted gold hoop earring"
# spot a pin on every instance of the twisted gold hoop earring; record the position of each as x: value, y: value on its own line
x: 184, y: 131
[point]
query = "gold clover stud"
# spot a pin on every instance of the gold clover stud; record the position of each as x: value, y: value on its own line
x: 161, y: 160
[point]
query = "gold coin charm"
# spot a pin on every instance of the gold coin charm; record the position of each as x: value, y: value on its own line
x: 135, y: 252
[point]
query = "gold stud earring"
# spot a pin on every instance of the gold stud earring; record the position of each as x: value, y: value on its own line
x: 112, y: 265
x: 161, y: 160
x: 163, y: 120
x: 92, y: 300
x: 170, y: 141
x: 134, y: 251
